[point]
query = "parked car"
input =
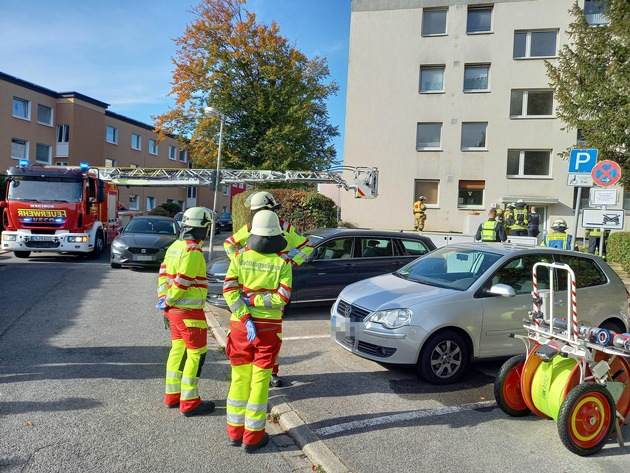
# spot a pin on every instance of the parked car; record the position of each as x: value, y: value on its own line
x: 143, y: 241
x: 224, y: 222
x: 341, y: 257
x: 460, y: 303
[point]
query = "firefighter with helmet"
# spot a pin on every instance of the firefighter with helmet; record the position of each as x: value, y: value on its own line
x: 519, y: 216
x: 558, y: 238
x: 419, y: 213
x: 508, y: 218
x: 257, y: 287
x: 256, y: 202
x: 182, y: 290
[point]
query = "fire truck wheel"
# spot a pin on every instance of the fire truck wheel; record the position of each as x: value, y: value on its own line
x: 99, y: 244
x: 507, y: 387
x: 586, y: 418
x: 22, y: 254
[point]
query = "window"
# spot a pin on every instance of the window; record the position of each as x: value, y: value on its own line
x: 429, y: 189
x: 153, y: 147
x: 517, y: 273
x: 136, y: 142
x: 112, y: 135
x: 476, y: 77
x: 413, y: 247
x: 532, y: 44
x: 531, y: 103
x: 192, y: 192
x: 172, y: 152
x: 594, y: 12
x: 43, y: 153
x: 336, y: 249
x: 522, y: 163
x: 428, y: 136
x: 473, y: 136
x: 434, y: 22
x: 431, y: 79
x: 587, y: 272
x: 150, y: 203
x: 19, y: 149
x: 63, y: 133
x: 471, y: 194
x: 183, y: 155
x: 21, y: 108
x: 44, y: 115
x: 181, y: 204
x: 133, y: 202
x: 110, y: 163
x: 479, y: 20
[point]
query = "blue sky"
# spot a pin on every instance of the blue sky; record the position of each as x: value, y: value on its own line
x: 119, y: 51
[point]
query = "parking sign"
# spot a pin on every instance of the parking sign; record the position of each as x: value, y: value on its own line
x: 582, y: 160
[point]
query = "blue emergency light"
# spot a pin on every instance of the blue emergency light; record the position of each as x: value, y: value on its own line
x: 84, y: 166
x: 23, y: 163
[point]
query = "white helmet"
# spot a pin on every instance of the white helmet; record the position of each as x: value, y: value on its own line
x: 559, y: 224
x: 266, y: 224
x: 199, y: 217
x: 261, y: 200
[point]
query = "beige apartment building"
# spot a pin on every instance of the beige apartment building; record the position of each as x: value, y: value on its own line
x: 66, y: 128
x: 450, y: 99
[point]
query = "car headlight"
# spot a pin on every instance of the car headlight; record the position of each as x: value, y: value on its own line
x: 391, y: 318
x: 118, y: 245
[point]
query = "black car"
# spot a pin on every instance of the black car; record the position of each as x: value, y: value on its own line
x: 341, y: 257
x: 224, y: 222
x: 143, y: 241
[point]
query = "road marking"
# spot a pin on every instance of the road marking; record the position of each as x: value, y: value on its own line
x: 308, y: 337
x: 390, y: 419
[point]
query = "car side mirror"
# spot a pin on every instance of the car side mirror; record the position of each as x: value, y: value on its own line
x: 502, y: 290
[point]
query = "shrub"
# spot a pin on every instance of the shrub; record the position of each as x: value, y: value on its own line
x: 171, y: 207
x: 160, y: 211
x: 618, y: 249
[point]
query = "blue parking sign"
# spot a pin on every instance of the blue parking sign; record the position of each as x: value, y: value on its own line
x: 582, y: 160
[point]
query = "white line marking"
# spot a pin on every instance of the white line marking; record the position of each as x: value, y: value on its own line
x: 359, y: 424
x: 305, y: 337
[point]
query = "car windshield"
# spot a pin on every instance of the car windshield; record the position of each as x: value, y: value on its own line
x: 162, y: 227
x: 452, y: 268
x: 226, y: 216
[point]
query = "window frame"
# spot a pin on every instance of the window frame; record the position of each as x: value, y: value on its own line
x: 521, y: 164
x: 430, y: 188
x: 427, y: 67
x: 114, y: 135
x: 153, y: 147
x: 172, y: 152
x: 136, y: 142
x: 470, y: 189
x: 477, y: 66
x: 21, y: 142
x: 50, y: 122
x: 474, y: 148
x: 434, y: 10
x: 429, y: 148
x: 27, y: 108
x: 478, y: 8
x: 150, y: 201
x: 133, y: 202
x: 528, y: 44
x: 48, y: 158
x: 183, y: 152
x: 524, y: 104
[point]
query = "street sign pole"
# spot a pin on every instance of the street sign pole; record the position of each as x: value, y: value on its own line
x: 577, y: 216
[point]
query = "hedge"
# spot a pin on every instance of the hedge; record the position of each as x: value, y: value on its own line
x: 618, y: 249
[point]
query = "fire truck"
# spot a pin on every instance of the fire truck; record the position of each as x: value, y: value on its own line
x: 57, y: 209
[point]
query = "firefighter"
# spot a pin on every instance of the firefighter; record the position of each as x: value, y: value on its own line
x: 491, y: 230
x: 508, y: 218
x: 419, y: 213
x: 182, y: 291
x: 519, y: 216
x: 263, y: 200
x: 558, y: 238
x: 499, y: 217
x: 257, y: 287
x: 594, y: 235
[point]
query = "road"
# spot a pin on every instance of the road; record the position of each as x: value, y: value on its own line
x: 81, y: 377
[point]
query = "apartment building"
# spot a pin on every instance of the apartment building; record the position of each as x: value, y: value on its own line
x: 450, y: 99
x: 67, y: 128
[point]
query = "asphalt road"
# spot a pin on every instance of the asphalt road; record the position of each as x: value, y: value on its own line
x: 81, y: 378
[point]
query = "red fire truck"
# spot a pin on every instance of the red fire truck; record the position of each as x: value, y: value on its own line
x: 57, y: 209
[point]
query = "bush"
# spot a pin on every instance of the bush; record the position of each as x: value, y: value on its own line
x: 160, y: 211
x: 171, y: 207
x: 618, y: 249
x: 305, y: 210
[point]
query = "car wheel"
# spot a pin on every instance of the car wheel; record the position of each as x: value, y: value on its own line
x: 22, y: 254
x: 507, y: 387
x: 443, y: 358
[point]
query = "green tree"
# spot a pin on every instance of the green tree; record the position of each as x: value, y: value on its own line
x: 592, y: 83
x: 272, y: 95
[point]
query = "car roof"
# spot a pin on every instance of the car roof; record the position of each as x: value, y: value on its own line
x: 516, y: 248
x: 154, y: 217
x: 365, y: 233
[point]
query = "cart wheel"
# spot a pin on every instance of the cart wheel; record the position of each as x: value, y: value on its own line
x: 507, y: 387
x: 586, y: 418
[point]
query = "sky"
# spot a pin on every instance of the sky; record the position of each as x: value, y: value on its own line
x: 120, y: 51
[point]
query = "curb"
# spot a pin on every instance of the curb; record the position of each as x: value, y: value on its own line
x: 290, y: 421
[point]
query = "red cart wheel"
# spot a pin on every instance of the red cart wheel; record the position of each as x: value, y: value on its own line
x: 586, y: 418
x: 507, y: 387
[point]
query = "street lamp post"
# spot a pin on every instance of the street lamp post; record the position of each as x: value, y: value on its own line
x: 215, y: 113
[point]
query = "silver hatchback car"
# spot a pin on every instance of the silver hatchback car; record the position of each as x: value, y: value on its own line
x: 461, y: 303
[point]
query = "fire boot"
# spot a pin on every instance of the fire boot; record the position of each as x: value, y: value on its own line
x: 276, y: 381
x: 205, y: 407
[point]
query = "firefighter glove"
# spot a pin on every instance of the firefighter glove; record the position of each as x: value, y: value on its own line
x: 161, y: 303
x: 251, y: 329
x: 167, y: 323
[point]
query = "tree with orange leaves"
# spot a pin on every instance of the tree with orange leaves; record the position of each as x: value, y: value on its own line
x: 271, y: 95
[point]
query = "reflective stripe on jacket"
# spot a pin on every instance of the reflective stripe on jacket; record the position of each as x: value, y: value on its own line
x: 557, y: 240
x: 522, y: 223
x: 182, y: 278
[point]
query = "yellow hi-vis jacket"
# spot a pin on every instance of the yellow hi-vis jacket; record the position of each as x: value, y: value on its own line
x: 295, y: 239
x: 264, y: 279
x: 182, y: 278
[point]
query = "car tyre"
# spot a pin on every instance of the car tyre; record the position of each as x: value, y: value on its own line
x: 444, y: 358
x: 22, y: 254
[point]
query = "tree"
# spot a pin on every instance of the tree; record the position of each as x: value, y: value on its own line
x: 272, y: 95
x: 592, y: 83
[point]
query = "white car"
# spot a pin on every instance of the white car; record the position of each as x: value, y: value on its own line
x: 461, y: 303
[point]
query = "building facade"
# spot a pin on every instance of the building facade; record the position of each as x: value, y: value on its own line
x: 450, y: 99
x: 66, y: 128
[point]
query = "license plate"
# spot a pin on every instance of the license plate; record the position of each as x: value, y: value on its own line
x: 142, y: 258
x: 41, y: 238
